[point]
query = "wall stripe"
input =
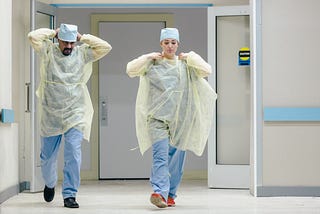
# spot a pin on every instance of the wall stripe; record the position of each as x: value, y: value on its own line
x: 130, y: 5
x: 291, y: 114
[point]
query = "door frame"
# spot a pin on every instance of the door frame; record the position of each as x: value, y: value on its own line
x: 256, y: 152
x: 167, y: 18
x: 223, y: 176
x: 32, y: 131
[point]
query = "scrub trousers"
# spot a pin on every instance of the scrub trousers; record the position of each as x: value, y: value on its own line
x: 167, y: 168
x: 72, y: 161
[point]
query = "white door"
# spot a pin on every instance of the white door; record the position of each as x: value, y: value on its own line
x: 229, y: 143
x: 43, y: 16
x: 119, y: 157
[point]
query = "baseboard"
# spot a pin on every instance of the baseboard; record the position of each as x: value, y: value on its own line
x: 8, y: 193
x: 24, y: 186
x: 195, y: 175
x: 294, y: 191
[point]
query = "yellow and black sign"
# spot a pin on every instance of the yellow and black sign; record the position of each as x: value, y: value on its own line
x: 244, y: 56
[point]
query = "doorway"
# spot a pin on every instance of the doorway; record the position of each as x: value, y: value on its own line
x: 229, y: 143
x: 43, y: 16
x: 131, y: 35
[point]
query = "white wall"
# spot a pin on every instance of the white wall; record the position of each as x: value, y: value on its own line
x: 290, y: 67
x: 9, y: 179
x: 20, y: 75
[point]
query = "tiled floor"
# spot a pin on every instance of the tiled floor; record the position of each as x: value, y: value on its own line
x: 110, y: 197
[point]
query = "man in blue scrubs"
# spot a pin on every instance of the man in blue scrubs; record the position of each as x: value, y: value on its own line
x: 64, y: 102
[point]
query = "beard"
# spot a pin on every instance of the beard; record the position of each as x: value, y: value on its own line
x: 67, y: 51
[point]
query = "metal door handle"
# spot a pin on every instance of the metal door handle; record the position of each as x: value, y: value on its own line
x: 27, y: 97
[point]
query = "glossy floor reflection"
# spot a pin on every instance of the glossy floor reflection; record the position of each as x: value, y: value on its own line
x: 133, y: 197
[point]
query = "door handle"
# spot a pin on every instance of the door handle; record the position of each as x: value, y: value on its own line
x: 104, y: 112
x: 27, y: 109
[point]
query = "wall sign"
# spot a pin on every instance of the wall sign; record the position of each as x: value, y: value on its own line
x: 244, y: 56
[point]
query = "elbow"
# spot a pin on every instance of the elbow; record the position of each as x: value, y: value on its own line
x: 130, y: 70
x: 101, y: 52
x: 207, y: 71
x: 107, y: 49
x: 209, y: 68
x: 30, y: 37
x: 131, y: 74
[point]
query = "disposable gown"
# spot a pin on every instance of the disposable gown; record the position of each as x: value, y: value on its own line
x: 64, y: 99
x: 173, y: 100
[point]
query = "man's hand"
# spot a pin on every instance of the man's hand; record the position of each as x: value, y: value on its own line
x: 57, y: 31
x: 78, y: 36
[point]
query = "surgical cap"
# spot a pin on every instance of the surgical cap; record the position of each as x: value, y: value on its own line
x: 68, y: 33
x: 169, y: 33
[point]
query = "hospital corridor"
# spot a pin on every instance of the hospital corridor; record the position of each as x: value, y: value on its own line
x: 149, y: 106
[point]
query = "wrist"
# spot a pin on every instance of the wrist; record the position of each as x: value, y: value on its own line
x: 79, y: 36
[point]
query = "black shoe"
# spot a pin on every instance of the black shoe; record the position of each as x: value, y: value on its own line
x: 70, y: 202
x: 48, y: 194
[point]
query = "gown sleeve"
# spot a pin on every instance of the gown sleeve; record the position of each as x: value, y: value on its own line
x: 39, y: 37
x: 98, y: 46
x: 202, y: 68
x: 139, y: 66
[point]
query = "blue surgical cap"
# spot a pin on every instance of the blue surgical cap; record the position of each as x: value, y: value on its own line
x: 169, y: 33
x: 68, y: 32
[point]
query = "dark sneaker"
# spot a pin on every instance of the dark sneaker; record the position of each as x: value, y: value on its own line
x: 158, y: 200
x: 70, y: 202
x: 48, y: 194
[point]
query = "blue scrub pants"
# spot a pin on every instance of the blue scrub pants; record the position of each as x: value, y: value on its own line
x: 72, y: 161
x: 167, y: 168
